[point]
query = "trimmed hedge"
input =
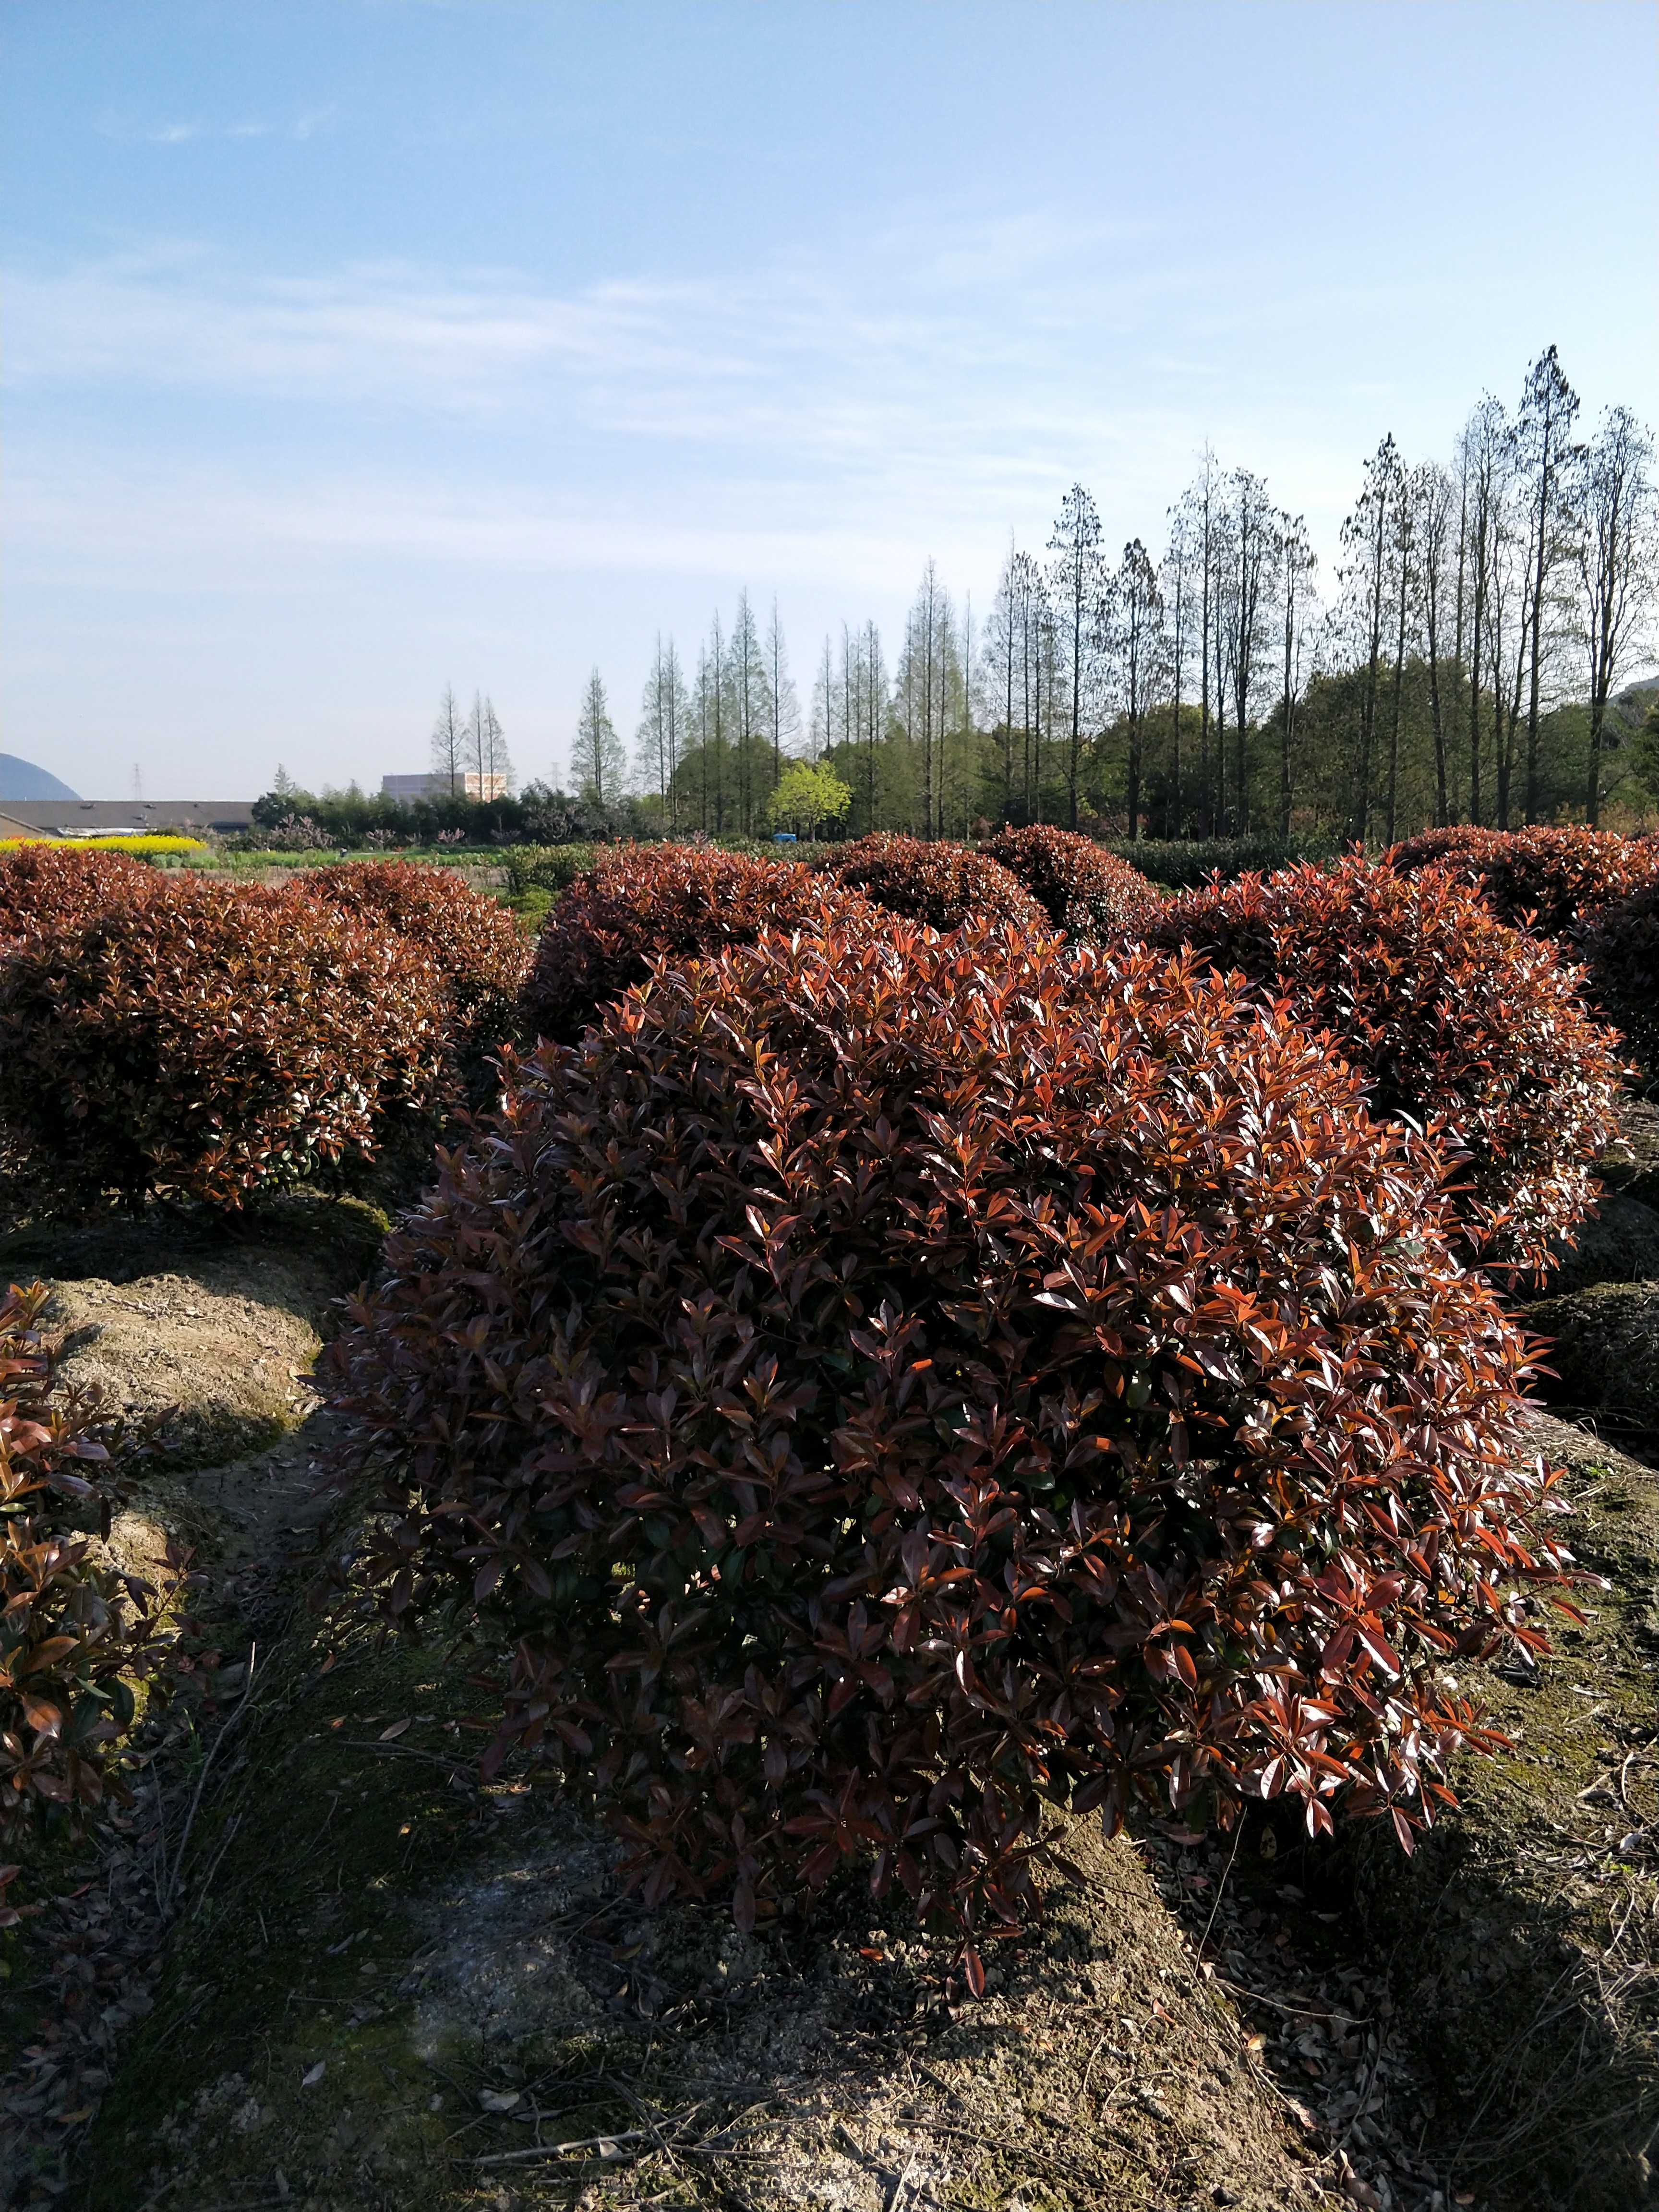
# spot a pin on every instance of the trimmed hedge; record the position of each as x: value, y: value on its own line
x: 642, y: 903
x: 1084, y: 889
x: 547, y: 868
x: 478, y: 947
x: 877, y: 1388
x: 42, y: 884
x: 943, y: 885
x: 1453, y: 1019
x: 212, y: 1043
x: 1550, y: 880
x: 1184, y: 863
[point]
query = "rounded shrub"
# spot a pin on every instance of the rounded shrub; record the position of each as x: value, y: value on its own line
x: 43, y: 884
x: 1084, y: 890
x: 1457, y: 846
x: 1550, y: 880
x: 874, y: 1389
x: 642, y: 903
x: 479, y: 949
x: 943, y: 885
x: 1452, y: 1019
x: 210, y: 1042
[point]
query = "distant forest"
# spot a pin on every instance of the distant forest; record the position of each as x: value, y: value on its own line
x: 1464, y: 662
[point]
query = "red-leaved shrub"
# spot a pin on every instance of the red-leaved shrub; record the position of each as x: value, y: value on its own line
x: 943, y: 885
x: 210, y: 1042
x: 1451, y: 1018
x: 1550, y: 880
x: 642, y: 903
x: 876, y: 1387
x: 1084, y: 890
x: 73, y: 1635
x: 480, y: 950
x: 46, y: 885
x: 1458, y: 847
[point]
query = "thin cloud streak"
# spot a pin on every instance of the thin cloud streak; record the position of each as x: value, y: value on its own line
x: 897, y: 383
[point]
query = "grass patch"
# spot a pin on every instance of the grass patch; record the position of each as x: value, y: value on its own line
x: 293, y: 1958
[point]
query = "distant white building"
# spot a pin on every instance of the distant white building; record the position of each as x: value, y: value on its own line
x: 407, y: 788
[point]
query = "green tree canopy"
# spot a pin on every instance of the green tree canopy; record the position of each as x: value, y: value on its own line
x: 809, y: 793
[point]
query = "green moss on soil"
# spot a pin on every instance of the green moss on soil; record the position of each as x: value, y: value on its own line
x: 290, y: 1959
x: 1524, y: 1933
x: 439, y: 1952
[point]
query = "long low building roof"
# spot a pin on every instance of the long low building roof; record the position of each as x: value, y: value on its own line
x: 69, y: 817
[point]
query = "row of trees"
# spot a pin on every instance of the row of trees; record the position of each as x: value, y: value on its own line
x: 1460, y: 662
x: 469, y: 746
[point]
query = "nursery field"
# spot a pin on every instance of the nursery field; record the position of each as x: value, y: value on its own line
x: 936, y: 1528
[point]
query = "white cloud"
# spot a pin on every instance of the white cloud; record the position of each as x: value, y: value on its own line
x: 795, y: 417
x: 309, y: 124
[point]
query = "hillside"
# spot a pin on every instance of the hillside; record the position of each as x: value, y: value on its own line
x: 21, y: 779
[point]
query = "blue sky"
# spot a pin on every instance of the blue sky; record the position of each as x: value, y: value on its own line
x: 358, y: 347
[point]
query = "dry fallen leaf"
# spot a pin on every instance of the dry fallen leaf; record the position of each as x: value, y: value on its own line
x: 390, y: 1734
x: 313, y: 2075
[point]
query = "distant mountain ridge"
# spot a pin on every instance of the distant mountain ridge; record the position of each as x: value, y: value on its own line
x: 21, y: 779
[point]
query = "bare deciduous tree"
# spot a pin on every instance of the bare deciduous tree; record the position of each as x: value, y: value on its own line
x: 449, y: 744
x: 598, y: 766
x: 1613, y: 510
x: 1134, y: 615
x: 665, y: 721
x: 1549, y: 407
x: 1295, y: 565
x: 1364, y: 547
x: 1076, y: 583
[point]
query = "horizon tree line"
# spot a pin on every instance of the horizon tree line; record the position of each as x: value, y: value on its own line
x: 1463, y: 663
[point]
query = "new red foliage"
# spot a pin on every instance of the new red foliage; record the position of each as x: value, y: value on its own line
x: 210, y: 1042
x: 1084, y: 891
x: 877, y: 1389
x: 480, y: 949
x: 642, y: 903
x: 1452, y: 1018
x: 1550, y: 880
x: 46, y: 885
x: 943, y: 885
x: 72, y: 1633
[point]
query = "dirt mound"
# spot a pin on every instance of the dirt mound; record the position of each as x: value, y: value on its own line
x: 1524, y: 1938
x: 1603, y: 1346
x: 1619, y: 1243
x: 403, y: 1992
x: 386, y: 1988
x: 229, y: 1361
x: 1633, y: 1165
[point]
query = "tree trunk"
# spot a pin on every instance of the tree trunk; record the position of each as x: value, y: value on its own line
x: 1394, y: 727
